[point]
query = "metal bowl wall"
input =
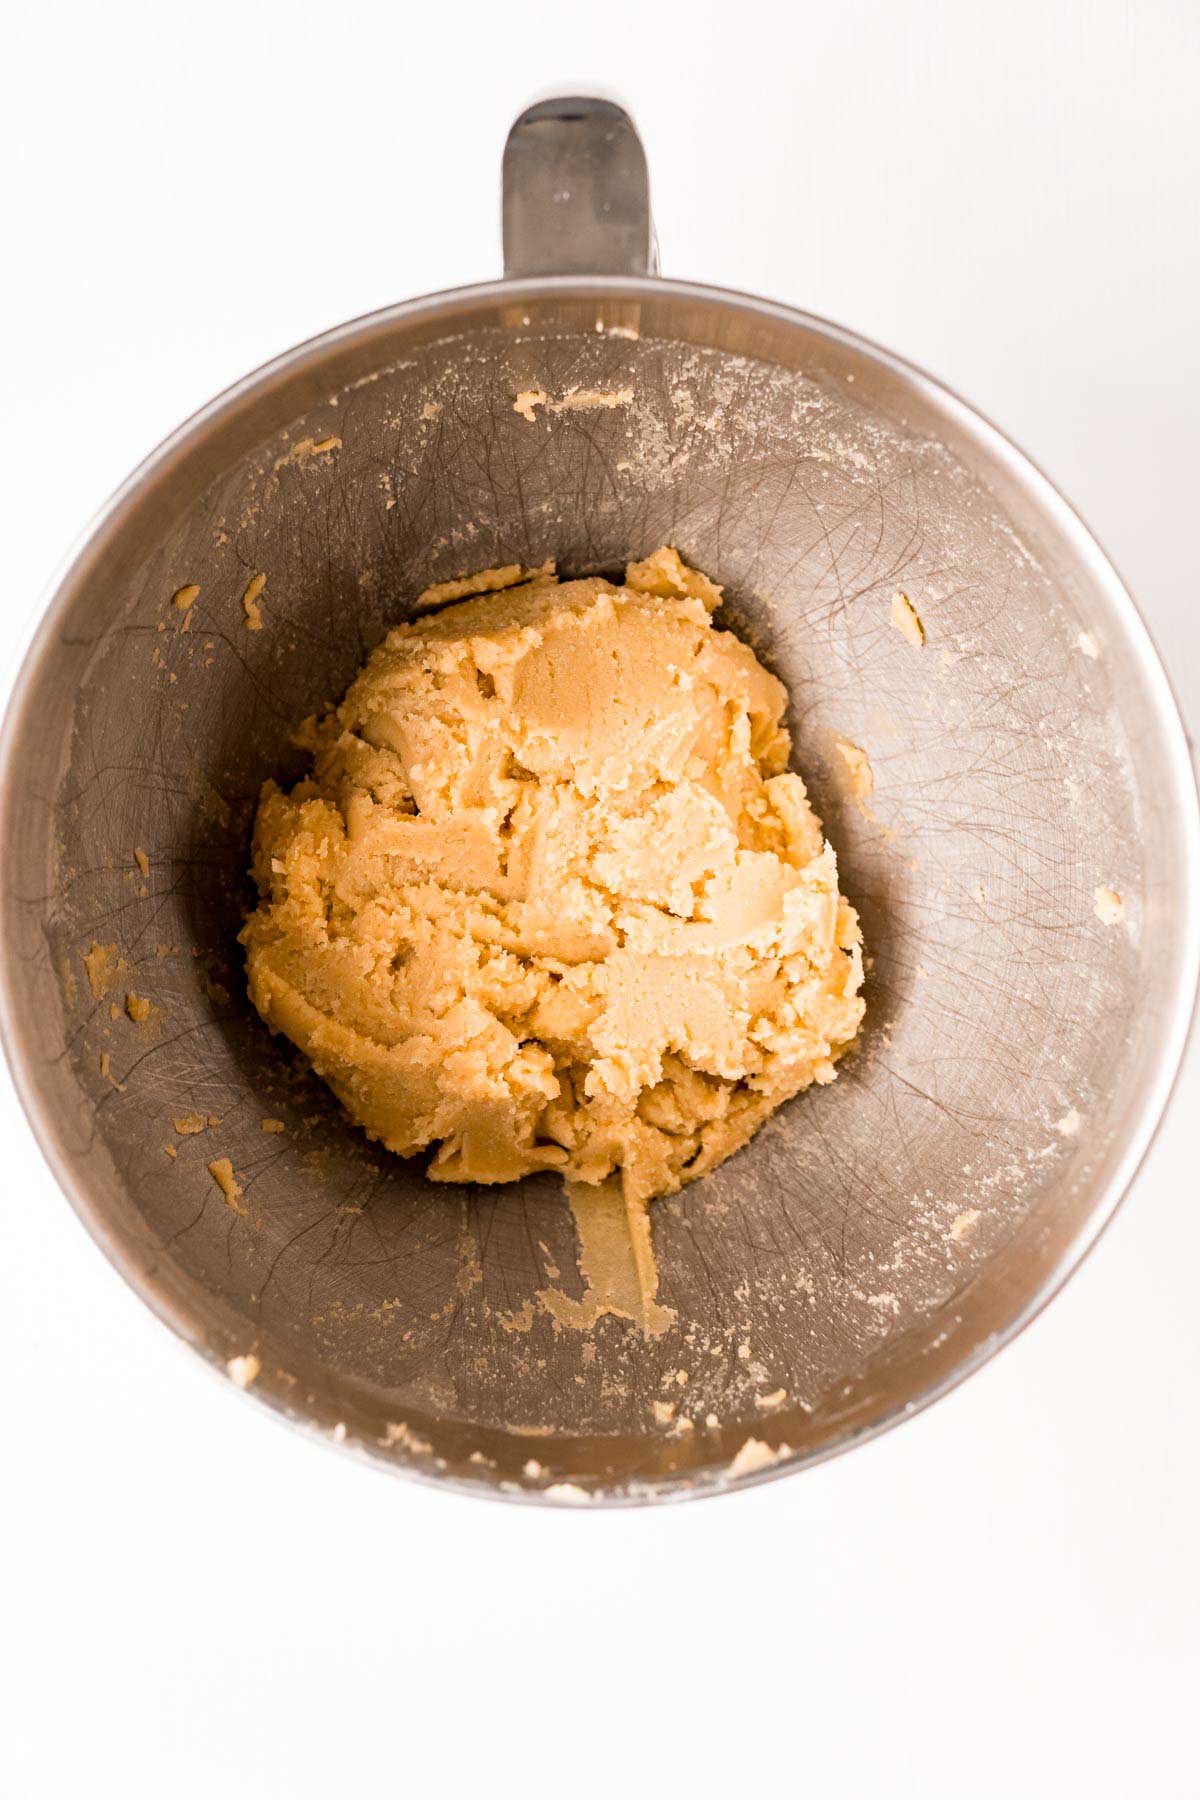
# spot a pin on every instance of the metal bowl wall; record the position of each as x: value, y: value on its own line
x: 879, y: 1237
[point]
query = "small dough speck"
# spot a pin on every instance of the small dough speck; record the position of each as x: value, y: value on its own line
x: 306, y: 449
x: 755, y: 1455
x: 103, y: 964
x: 250, y: 606
x: 862, y: 776
x: 906, y: 620
x: 1108, y: 906
x: 526, y: 402
x: 221, y: 1170
x: 569, y: 1492
x: 243, y: 1370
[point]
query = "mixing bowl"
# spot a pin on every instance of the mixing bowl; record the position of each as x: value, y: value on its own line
x: 1025, y: 864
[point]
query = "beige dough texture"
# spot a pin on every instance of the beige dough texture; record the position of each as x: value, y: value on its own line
x: 550, y: 898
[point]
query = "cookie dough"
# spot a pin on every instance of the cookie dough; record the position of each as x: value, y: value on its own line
x: 550, y: 898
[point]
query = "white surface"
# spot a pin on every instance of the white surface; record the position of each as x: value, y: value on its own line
x: 998, y: 1599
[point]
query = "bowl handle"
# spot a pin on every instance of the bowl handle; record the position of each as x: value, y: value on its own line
x: 576, y: 192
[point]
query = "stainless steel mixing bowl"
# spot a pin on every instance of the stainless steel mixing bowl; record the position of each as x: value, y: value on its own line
x: 879, y: 1238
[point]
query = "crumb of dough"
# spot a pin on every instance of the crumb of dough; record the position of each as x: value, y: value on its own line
x: 103, y: 965
x: 1068, y: 1125
x: 114, y: 1011
x: 663, y: 1410
x: 755, y: 1455
x: 189, y: 1123
x: 138, y: 1008
x: 186, y: 597
x: 143, y: 863
x: 1108, y: 906
x: 273, y: 1125
x: 105, y: 1063
x: 306, y: 449
x: 569, y: 1492
x: 243, y: 1370
x: 399, y: 1433
x: 905, y: 618
x: 862, y: 776
x: 527, y: 400
x: 250, y: 607
x: 964, y: 1223
x: 1087, y: 643
x: 171, y: 1151
x: 221, y: 1170
x: 768, y: 1402
x: 551, y: 898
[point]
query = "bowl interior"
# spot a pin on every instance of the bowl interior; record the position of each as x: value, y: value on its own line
x: 877, y: 1235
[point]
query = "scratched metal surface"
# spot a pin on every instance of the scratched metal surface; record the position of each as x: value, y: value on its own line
x: 876, y: 1234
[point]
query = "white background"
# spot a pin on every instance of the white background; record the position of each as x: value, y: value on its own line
x: 1000, y: 1599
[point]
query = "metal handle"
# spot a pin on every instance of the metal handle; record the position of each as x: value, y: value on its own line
x: 577, y: 192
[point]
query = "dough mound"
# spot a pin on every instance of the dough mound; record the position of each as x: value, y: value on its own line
x: 549, y: 899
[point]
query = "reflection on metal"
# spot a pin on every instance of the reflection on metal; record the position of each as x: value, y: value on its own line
x: 576, y: 192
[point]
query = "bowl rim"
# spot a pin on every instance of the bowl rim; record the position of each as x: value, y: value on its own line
x: 1170, y: 1045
